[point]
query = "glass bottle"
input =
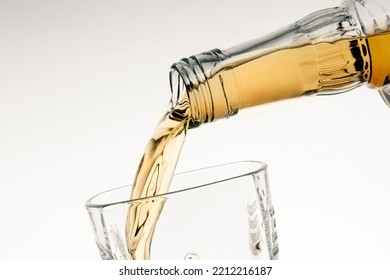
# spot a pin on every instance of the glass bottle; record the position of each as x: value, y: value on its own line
x: 327, y: 52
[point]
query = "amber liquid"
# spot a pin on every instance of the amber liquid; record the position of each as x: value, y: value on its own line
x: 284, y: 73
x: 380, y: 59
x: 153, y: 177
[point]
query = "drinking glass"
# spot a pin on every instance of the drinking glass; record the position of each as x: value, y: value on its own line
x: 215, y: 213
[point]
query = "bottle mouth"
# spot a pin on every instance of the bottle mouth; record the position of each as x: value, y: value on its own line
x: 182, y: 88
x: 201, y: 79
x: 188, y: 77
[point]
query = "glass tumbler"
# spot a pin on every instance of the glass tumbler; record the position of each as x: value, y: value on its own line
x: 222, y: 212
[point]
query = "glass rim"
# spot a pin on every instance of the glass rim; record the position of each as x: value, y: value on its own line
x: 259, y: 166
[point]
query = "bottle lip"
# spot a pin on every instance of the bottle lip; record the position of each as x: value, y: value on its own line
x: 191, y: 76
x: 185, y: 84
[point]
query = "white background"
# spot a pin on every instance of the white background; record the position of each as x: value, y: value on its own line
x: 83, y: 83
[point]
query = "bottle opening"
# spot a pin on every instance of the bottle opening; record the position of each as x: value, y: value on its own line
x: 209, y: 84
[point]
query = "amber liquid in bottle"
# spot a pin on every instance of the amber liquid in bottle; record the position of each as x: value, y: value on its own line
x: 324, y: 67
x: 379, y: 50
x: 280, y: 74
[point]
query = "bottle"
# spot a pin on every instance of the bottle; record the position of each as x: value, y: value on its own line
x: 327, y: 52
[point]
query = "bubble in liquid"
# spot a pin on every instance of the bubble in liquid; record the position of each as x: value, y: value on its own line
x: 191, y: 257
